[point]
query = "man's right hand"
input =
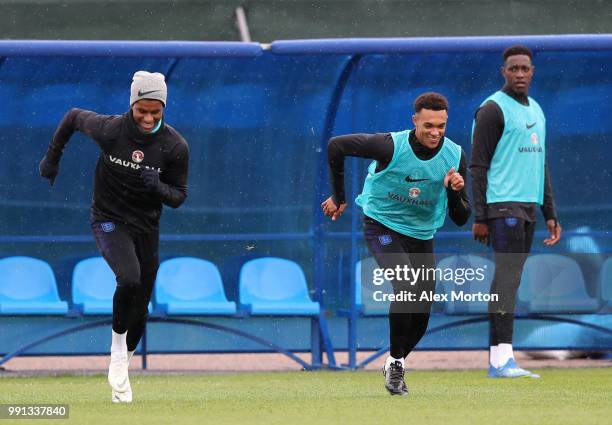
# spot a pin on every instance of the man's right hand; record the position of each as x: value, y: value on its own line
x: 48, y: 169
x: 481, y: 232
x: 331, y: 210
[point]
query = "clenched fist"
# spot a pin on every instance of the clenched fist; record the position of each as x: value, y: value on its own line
x: 454, y: 179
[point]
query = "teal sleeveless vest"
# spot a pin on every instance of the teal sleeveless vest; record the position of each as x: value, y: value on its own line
x: 409, y: 195
x: 516, y: 173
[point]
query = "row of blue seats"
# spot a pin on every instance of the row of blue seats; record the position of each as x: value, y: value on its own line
x: 550, y: 283
x: 191, y: 286
x: 184, y: 286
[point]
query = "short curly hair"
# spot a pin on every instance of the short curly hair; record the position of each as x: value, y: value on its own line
x: 517, y: 50
x: 431, y: 100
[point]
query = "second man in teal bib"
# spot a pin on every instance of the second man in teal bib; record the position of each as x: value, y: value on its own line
x: 416, y: 176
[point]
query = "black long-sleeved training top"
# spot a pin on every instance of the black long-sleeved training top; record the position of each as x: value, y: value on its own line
x: 380, y: 147
x: 119, y: 192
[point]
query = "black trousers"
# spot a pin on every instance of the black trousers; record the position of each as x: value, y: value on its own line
x: 407, y: 321
x: 134, y: 259
x: 511, y: 239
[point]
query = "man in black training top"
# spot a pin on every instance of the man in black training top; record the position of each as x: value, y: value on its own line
x: 143, y: 164
x: 409, y: 186
x: 510, y: 179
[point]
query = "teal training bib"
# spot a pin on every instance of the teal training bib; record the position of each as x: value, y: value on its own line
x: 409, y: 195
x: 516, y: 173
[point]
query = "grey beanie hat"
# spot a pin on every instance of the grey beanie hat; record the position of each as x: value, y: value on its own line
x: 147, y: 85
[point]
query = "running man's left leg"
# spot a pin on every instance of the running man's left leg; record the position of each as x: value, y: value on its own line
x: 407, y: 319
x: 147, y: 250
x: 118, y: 248
x: 385, y: 246
x: 421, y: 257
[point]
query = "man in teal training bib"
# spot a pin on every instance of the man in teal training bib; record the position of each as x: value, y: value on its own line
x: 415, y: 177
x: 510, y: 179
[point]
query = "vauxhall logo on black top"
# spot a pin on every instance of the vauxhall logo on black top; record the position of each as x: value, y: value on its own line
x: 129, y: 164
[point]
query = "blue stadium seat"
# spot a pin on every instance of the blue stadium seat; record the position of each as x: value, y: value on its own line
x: 474, y: 286
x: 28, y: 286
x: 191, y: 286
x: 553, y: 283
x: 93, y: 287
x: 365, y: 289
x: 275, y: 286
x: 606, y: 284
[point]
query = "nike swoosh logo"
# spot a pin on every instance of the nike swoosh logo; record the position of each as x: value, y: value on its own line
x: 140, y: 93
x: 409, y: 180
x: 530, y: 125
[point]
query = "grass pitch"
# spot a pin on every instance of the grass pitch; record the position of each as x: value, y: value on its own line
x: 561, y: 396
